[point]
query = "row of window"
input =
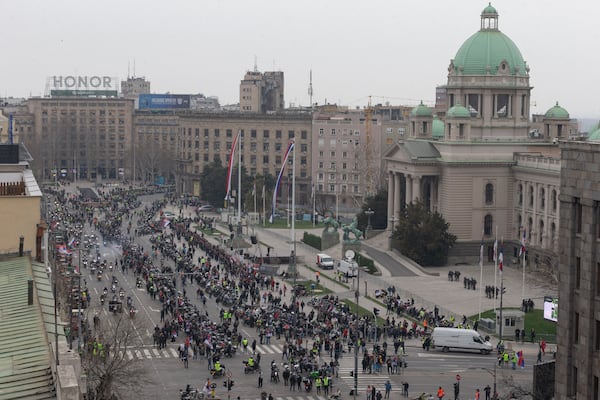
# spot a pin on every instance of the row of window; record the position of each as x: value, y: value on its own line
x: 541, y: 196
x: 334, y: 132
x: 253, y: 133
x: 332, y: 177
x: 333, y: 165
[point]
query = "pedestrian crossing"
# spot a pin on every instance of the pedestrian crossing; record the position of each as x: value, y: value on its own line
x: 346, y: 374
x: 173, y: 352
x: 306, y: 397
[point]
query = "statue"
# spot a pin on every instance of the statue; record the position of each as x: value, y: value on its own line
x: 351, y: 228
x: 331, y: 225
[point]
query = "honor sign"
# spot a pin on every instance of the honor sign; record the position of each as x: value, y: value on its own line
x: 95, y: 85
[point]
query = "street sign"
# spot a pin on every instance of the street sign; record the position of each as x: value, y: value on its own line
x: 457, y: 377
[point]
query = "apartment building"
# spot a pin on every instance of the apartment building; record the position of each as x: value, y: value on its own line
x: 262, y: 92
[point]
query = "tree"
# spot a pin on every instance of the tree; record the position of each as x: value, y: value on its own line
x: 378, y: 204
x: 423, y: 236
x: 213, y: 183
x: 110, y: 368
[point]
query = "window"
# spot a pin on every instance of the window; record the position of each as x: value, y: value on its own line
x: 554, y: 200
x: 578, y: 215
x: 332, y: 188
x: 541, y: 232
x: 530, y: 196
x: 332, y: 177
x: 303, y: 135
x: 520, y: 191
x: 344, y: 165
x: 320, y: 164
x: 332, y: 165
x: 489, y: 194
x: 253, y: 133
x: 332, y: 131
x: 542, y: 198
x: 332, y: 154
x: 206, y: 133
x: 229, y: 133
x: 473, y: 104
x: 320, y: 131
x: 303, y: 147
x: 291, y: 134
x: 265, y: 159
x: 488, y: 223
x: 502, y: 105
x: 345, y: 154
x: 217, y: 132
x: 576, y: 328
x: 266, y: 134
x: 266, y: 146
x: 332, y: 142
x: 577, y: 272
x: 597, y: 279
x: 278, y: 134
x: 597, y: 339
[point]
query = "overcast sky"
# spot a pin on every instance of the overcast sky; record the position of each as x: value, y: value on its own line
x: 394, y: 50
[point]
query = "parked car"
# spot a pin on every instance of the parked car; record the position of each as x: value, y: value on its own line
x: 206, y: 208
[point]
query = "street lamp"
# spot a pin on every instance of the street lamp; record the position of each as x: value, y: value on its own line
x: 391, y: 238
x: 368, y: 213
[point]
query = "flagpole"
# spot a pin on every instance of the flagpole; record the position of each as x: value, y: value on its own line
x: 314, y: 196
x: 293, y: 212
x: 239, y: 194
x: 523, y: 250
x: 495, y: 266
x: 264, y: 206
x: 500, y: 320
x: 480, y: 273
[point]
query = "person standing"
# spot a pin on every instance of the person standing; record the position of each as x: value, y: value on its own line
x: 260, y: 379
x: 405, y: 389
x: 477, y: 394
x: 388, y: 389
x: 440, y: 393
x: 487, y: 391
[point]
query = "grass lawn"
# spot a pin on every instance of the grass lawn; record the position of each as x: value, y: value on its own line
x: 544, y: 329
x: 307, y: 284
x: 363, y: 311
x: 322, y: 275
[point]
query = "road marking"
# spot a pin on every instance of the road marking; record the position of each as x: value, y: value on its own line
x: 165, y: 353
x: 152, y: 309
x: 156, y: 353
x: 147, y: 353
x: 129, y: 354
x: 138, y: 354
x: 174, y: 352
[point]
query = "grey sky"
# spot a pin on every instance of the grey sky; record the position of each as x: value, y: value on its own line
x: 395, y: 50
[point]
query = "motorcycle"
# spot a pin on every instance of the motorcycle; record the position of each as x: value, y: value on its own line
x: 132, y: 312
x: 216, y: 374
x: 188, y: 393
x: 248, y: 369
x: 138, y: 283
x: 274, y: 374
x: 113, y: 288
x: 121, y: 293
x: 102, y: 299
x: 307, y: 384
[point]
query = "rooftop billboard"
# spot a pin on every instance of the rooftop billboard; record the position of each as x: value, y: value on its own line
x: 164, y: 101
x: 80, y: 85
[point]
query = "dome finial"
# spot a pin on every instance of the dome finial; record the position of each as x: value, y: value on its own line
x: 489, y: 18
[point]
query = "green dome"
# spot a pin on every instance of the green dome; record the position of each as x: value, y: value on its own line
x: 437, y: 128
x: 458, y: 111
x: 489, y: 10
x: 421, y: 111
x: 484, y: 52
x: 595, y: 135
x: 557, y: 112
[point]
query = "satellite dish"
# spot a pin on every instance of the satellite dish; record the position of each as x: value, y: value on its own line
x: 349, y: 254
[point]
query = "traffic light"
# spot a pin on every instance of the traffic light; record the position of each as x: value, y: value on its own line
x: 503, y: 290
x: 376, y: 311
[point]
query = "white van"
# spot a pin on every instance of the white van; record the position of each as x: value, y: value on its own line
x: 324, y: 261
x: 348, y: 268
x: 457, y: 338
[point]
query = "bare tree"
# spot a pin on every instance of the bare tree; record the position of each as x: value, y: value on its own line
x: 106, y: 362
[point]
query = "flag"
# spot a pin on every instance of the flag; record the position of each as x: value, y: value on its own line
x: 495, y: 250
x: 501, y: 258
x: 71, y: 242
x: 523, y: 248
x: 481, y: 250
x: 263, y: 192
x: 230, y: 166
x: 278, y: 182
x: 254, y: 189
x: 312, y: 193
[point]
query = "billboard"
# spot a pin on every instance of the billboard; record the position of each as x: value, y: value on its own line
x: 164, y: 101
x: 82, y: 85
x: 551, y: 308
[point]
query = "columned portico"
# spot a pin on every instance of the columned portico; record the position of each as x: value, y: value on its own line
x: 416, y: 189
x: 409, y: 189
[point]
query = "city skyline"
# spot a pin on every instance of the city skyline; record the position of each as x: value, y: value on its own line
x: 359, y: 49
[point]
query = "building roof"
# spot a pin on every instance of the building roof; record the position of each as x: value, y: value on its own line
x: 594, y: 135
x: 421, y: 111
x: 484, y: 52
x: 489, y: 10
x: 458, y: 111
x: 437, y: 128
x: 557, y: 112
x: 25, y: 371
x: 421, y: 149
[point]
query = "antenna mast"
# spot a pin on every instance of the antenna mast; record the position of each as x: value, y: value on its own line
x: 310, y: 90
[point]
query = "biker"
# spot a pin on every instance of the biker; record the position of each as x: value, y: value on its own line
x: 218, y: 367
x: 250, y: 362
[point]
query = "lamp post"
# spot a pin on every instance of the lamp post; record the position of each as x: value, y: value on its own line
x: 391, y: 238
x: 368, y: 213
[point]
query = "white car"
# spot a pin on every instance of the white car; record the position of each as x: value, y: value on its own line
x: 206, y: 208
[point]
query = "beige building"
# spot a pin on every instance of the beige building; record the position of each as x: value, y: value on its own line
x: 92, y: 136
x: 578, y: 333
x: 133, y: 87
x: 205, y: 137
x: 20, y: 200
x: 484, y: 164
x: 262, y: 92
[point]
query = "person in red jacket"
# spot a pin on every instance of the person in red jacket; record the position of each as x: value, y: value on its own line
x: 440, y: 393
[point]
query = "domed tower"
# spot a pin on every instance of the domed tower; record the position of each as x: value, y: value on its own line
x: 490, y: 78
x: 458, y: 122
x: 421, y: 121
x: 557, y: 123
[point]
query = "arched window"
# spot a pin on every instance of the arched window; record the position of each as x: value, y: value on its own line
x: 531, y: 196
x: 520, y: 194
x: 542, y: 198
x: 541, y: 232
x: 554, y: 200
x: 488, y: 223
x: 489, y: 193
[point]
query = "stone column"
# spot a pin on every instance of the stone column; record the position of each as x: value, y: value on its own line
x: 534, y: 239
x: 416, y: 191
x: 397, y: 199
x: 434, y: 193
x: 547, y: 241
x: 409, y: 188
x: 391, y: 200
